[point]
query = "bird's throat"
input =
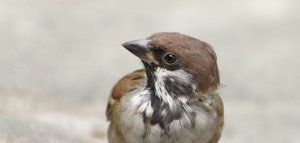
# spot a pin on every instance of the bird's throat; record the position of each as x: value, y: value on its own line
x: 169, y: 91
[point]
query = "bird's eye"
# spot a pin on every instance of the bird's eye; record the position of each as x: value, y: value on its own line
x: 170, y: 58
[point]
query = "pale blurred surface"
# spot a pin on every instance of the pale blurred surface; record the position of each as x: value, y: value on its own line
x: 59, y: 59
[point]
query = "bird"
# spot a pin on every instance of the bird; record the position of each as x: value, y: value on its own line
x: 173, y: 99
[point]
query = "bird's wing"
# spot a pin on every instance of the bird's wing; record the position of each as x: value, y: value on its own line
x: 124, y: 85
x: 218, y: 106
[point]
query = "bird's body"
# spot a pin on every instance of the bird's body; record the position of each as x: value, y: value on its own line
x: 166, y: 102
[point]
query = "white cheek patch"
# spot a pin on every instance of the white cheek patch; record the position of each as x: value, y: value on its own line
x: 183, y: 76
x: 160, y: 87
x: 180, y: 74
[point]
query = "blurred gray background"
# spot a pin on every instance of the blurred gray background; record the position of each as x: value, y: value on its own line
x: 60, y: 58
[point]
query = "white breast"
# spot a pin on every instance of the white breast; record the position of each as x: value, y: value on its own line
x: 133, y: 127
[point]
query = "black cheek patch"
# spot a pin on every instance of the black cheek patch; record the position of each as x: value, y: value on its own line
x: 177, y: 87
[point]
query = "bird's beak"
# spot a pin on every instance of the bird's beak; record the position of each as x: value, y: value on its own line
x: 141, y: 49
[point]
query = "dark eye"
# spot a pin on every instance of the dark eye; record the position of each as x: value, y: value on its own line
x: 170, y: 58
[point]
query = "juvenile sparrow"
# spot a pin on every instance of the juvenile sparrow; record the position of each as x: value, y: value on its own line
x: 173, y: 99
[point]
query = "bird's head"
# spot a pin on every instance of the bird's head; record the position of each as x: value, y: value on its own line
x: 182, y: 64
x: 179, y: 69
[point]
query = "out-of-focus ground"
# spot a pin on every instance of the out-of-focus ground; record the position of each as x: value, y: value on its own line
x: 59, y: 59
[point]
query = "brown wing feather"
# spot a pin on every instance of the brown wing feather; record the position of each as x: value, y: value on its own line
x: 124, y: 85
x: 218, y: 105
